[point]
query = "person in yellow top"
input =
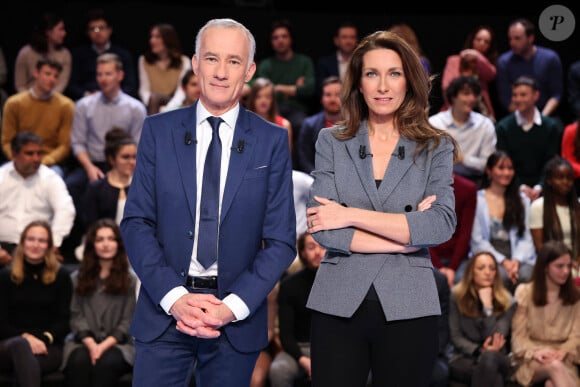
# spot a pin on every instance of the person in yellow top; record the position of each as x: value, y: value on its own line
x: 43, y: 111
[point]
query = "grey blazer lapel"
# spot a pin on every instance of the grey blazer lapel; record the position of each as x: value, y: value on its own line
x: 363, y: 164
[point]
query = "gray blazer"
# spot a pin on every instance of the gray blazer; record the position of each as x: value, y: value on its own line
x: 404, y: 282
x: 103, y: 315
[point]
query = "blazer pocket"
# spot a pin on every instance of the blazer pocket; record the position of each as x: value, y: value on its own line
x: 257, y: 172
x: 420, y: 261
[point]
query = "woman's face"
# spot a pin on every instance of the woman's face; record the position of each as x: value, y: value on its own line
x: 106, y: 244
x: 125, y: 160
x: 383, y: 83
x: 559, y: 269
x: 156, y: 41
x: 562, y: 180
x: 312, y: 252
x: 482, y: 40
x: 36, y: 244
x: 264, y: 99
x: 484, y: 271
x: 502, y: 173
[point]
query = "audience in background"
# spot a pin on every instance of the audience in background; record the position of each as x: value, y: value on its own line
x: 573, y: 87
x: 99, y: 349
x: 528, y: 137
x: 501, y: 224
x: 526, y: 58
x: 161, y: 68
x: 293, y: 76
x: 46, y: 41
x: 450, y: 257
x: 83, y: 79
x: 31, y: 191
x: 546, y: 326
x: 440, y: 373
x: 262, y: 101
x: 190, y: 88
x: 43, y: 111
x: 345, y: 40
x: 328, y: 116
x: 34, y: 308
x: 474, y: 132
x: 293, y: 363
x: 556, y: 214
x: 478, y: 58
x: 408, y: 34
x: 105, y: 198
x: 94, y: 116
x: 570, y: 150
x: 480, y: 314
x: 3, y: 82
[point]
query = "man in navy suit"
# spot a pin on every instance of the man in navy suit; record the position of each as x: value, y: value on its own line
x: 189, y: 312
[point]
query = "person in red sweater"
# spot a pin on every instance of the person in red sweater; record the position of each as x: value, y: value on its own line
x: 448, y: 256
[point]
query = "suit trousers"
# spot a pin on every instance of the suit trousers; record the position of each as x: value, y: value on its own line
x: 397, y: 353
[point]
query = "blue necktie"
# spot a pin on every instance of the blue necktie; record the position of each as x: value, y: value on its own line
x: 207, y: 240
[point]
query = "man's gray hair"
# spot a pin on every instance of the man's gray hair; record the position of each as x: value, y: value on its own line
x: 227, y: 23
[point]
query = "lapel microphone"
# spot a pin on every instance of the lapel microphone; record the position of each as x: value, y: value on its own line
x: 362, y: 152
x: 240, y: 147
x: 400, y: 153
x: 187, y: 139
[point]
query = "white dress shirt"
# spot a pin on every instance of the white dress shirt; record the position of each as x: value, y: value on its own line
x: 42, y: 195
x: 204, y: 134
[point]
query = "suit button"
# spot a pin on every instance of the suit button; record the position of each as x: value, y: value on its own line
x: 408, y: 208
x: 190, y: 234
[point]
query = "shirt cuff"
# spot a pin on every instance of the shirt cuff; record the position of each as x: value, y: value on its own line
x: 237, y: 306
x: 173, y: 295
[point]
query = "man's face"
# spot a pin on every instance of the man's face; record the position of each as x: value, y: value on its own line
x: 27, y: 161
x: 222, y: 68
x: 45, y: 79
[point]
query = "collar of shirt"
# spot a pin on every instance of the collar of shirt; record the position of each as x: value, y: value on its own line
x: 113, y: 101
x: 450, y: 122
x: 98, y: 51
x: 526, y: 126
x: 35, y: 96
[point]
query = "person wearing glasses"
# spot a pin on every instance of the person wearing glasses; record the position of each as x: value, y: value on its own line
x: 83, y: 78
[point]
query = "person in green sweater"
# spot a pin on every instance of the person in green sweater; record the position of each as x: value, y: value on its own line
x: 293, y: 75
x: 529, y: 137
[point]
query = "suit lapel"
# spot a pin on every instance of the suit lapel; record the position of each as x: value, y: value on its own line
x: 364, y: 166
x: 238, y: 160
x: 186, y: 154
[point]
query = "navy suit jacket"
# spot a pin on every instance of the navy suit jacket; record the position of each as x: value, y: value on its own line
x: 257, y: 234
x: 307, y: 140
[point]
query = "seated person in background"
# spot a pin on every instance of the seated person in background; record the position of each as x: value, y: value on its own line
x: 35, y: 296
x: 100, y: 349
x: 480, y: 316
x: 570, y: 149
x: 474, y: 132
x: 556, y: 214
x: 105, y: 198
x: 262, y: 101
x: 293, y: 363
x: 440, y: 375
x: 546, y: 326
x: 501, y: 223
x: 328, y: 116
x: 190, y: 88
x: 43, y: 111
x: 450, y: 257
x: 31, y: 191
x: 528, y: 137
x: 83, y: 78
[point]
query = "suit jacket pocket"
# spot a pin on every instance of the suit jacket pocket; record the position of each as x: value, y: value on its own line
x: 258, y: 172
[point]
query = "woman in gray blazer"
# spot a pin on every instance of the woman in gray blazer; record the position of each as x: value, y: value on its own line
x: 382, y: 195
x: 100, y: 349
